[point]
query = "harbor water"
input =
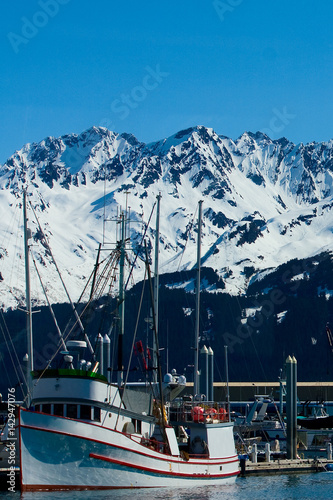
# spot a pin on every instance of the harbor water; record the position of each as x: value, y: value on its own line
x: 278, y: 487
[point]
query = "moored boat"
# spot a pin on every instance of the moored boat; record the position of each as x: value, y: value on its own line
x: 316, y: 421
x: 106, y: 437
x: 81, y: 431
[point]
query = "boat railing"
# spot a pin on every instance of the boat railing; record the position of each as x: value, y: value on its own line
x: 153, y: 444
x: 149, y: 442
x: 199, y: 412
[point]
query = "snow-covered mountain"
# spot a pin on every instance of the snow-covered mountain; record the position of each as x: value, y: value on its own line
x: 265, y: 202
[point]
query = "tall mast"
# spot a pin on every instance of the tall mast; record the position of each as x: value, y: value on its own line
x: 197, y: 308
x: 163, y: 421
x: 156, y: 283
x: 227, y: 379
x: 121, y: 300
x: 30, y: 363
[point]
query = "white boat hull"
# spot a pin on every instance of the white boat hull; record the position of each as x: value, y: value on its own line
x: 60, y: 453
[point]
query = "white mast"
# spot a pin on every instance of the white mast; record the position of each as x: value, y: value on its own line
x: 197, y: 309
x: 30, y: 363
x: 121, y: 300
x: 227, y: 379
x: 156, y: 283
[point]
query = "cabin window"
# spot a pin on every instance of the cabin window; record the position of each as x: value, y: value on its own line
x: 97, y: 414
x: 85, y: 412
x: 46, y: 408
x: 37, y: 407
x: 137, y: 425
x: 58, y: 409
x: 71, y: 411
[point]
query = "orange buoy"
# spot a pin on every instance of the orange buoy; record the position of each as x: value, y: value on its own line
x: 197, y: 414
x: 212, y: 413
x: 222, y: 414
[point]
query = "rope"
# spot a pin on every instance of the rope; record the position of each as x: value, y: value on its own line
x: 78, y: 319
x: 62, y: 281
x: 133, y: 341
x: 49, y: 304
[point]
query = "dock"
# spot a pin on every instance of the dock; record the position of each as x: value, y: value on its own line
x: 284, y: 466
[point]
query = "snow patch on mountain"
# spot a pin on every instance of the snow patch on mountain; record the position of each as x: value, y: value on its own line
x: 264, y: 202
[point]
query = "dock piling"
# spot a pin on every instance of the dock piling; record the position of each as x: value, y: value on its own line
x: 291, y: 407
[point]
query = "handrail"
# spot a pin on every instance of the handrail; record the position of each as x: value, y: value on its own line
x: 199, y: 412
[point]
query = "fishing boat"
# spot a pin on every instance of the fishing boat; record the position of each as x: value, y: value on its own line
x: 258, y: 424
x: 80, y: 430
x: 315, y: 417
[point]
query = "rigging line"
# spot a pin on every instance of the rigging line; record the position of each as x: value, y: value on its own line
x: 136, y: 328
x: 83, y: 292
x: 140, y: 245
x: 62, y: 281
x: 79, y: 300
x: 95, y: 271
x: 100, y: 283
x: 81, y: 315
x: 14, y: 350
x: 131, y: 277
x: 329, y: 337
x: 58, y: 349
x: 113, y: 357
x: 132, y: 348
x: 48, y: 302
x: 65, y: 338
x: 280, y: 419
x: 106, y: 304
x: 158, y: 356
x: 104, y: 277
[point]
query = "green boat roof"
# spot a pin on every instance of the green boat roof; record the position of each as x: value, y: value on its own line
x: 67, y: 372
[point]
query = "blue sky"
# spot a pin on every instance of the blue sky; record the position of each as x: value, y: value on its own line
x: 154, y: 68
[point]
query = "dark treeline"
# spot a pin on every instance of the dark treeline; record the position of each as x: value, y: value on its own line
x: 284, y: 313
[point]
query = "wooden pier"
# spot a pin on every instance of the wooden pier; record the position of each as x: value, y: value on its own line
x: 285, y: 466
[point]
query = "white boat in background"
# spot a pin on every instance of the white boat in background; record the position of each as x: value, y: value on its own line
x: 80, y: 431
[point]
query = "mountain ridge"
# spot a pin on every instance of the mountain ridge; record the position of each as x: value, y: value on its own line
x: 265, y: 202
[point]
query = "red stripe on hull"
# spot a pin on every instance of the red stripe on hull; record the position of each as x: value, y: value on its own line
x: 161, y: 472
x: 209, y: 461
x: 56, y: 487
